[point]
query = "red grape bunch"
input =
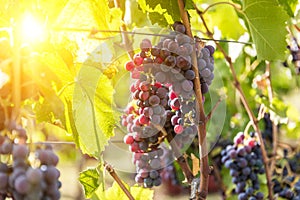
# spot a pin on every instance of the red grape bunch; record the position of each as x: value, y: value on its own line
x: 163, y: 101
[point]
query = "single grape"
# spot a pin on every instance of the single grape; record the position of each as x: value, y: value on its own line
x: 189, y: 75
x: 51, y: 174
x: 211, y: 49
x: 170, y: 61
x: 21, y: 184
x: 145, y: 45
x: 34, y: 175
x: 128, y: 139
x: 138, y: 60
x: 179, y: 27
x: 155, y: 51
x: 160, y: 77
x: 187, y: 85
x: 129, y: 66
x: 154, y: 100
x: 157, y: 181
x: 178, y: 129
x: 205, y: 72
x: 155, y: 163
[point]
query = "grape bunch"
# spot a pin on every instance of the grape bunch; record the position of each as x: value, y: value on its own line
x: 149, y: 167
x: 163, y: 103
x: 294, y: 163
x: 295, y: 52
x: 287, y: 188
x: 286, y: 182
x: 244, y: 160
x: 22, y: 179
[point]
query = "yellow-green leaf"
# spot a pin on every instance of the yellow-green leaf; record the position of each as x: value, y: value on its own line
x: 92, y: 110
x: 226, y: 19
x: 89, y: 180
x: 115, y: 192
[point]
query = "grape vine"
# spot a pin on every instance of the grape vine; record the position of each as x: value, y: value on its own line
x: 163, y: 99
x: 61, y: 78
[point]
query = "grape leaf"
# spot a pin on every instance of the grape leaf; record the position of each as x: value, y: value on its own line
x: 115, y: 192
x: 87, y: 110
x: 225, y: 17
x: 87, y: 14
x: 289, y: 6
x: 58, y: 66
x: 161, y: 12
x: 266, y: 20
x: 188, y: 4
x: 140, y: 193
x: 106, y: 115
x: 89, y: 180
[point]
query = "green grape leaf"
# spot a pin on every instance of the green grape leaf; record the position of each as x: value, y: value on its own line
x: 89, y: 180
x: 70, y: 122
x: 88, y: 14
x: 115, y: 192
x: 266, y: 21
x: 88, y: 108
x: 225, y: 17
x: 189, y: 4
x: 105, y: 114
x: 289, y: 6
x: 161, y: 12
x: 140, y: 193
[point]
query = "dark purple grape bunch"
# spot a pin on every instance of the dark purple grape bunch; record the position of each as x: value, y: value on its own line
x: 21, y: 178
x: 287, y: 188
x: 205, y: 61
x: 244, y: 161
x: 286, y: 182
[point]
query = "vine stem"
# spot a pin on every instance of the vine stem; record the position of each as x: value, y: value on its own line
x: 115, y: 176
x: 246, y: 106
x: 123, y: 28
x: 204, y: 167
x: 236, y: 6
x: 209, y: 115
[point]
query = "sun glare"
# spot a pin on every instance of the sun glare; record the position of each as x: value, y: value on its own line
x: 32, y: 29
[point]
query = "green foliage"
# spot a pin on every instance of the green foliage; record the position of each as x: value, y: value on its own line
x: 115, y: 192
x: 88, y: 103
x: 266, y: 20
x: 277, y: 106
x: 188, y: 4
x: 289, y: 6
x: 90, y: 14
x: 90, y: 181
x: 156, y: 9
x: 225, y: 17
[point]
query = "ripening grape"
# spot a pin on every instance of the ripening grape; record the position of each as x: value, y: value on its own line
x: 162, y: 98
x: 21, y: 184
x: 34, y: 175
